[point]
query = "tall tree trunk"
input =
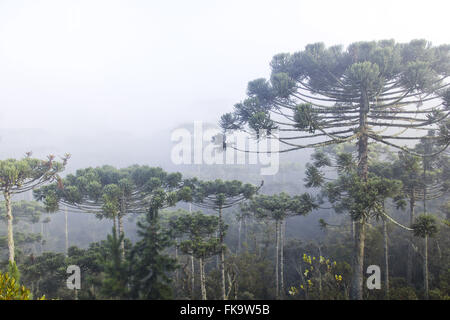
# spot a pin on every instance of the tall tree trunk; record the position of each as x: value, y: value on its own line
x: 66, y: 230
x: 410, y: 254
x: 9, y: 217
x: 217, y: 256
x: 353, y: 229
x: 236, y: 288
x: 425, y: 164
x: 277, y: 250
x: 202, y: 278
x: 282, y: 235
x: 115, y: 226
x: 239, y: 236
x: 386, y: 258
x: 222, y: 255
x: 358, y: 261
x: 34, y: 243
x: 425, y: 258
x: 425, y: 268
x: 177, y: 271
x: 257, y: 244
x: 320, y: 274
x: 245, y: 233
x: 42, y: 237
x: 121, y: 232
x: 358, y: 251
x: 192, y: 278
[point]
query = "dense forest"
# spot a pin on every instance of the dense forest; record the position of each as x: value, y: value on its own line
x: 362, y: 183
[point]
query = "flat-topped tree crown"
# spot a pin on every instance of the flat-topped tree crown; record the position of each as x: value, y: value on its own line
x: 18, y: 176
x: 280, y: 206
x: 195, y: 224
x: 219, y: 194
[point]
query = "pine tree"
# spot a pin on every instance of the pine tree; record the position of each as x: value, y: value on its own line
x: 116, y: 271
x: 150, y: 266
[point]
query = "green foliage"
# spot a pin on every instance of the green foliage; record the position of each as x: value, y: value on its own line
x: 340, y: 76
x: 320, y: 280
x: 361, y: 198
x: 314, y: 178
x: 366, y: 197
x: 18, y: 176
x: 201, y: 230
x: 444, y: 283
x: 261, y: 122
x: 105, y: 276
x: 401, y: 291
x: 116, y: 270
x: 424, y: 226
x: 255, y: 276
x: 436, y: 294
x: 48, y: 271
x: 14, y: 271
x: 21, y: 240
x: 10, y: 289
x: 280, y: 206
x: 28, y: 211
x: 304, y: 118
x: 107, y: 191
x: 219, y: 194
x: 22, y: 175
x: 150, y: 266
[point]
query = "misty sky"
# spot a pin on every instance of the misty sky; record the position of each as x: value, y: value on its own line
x: 79, y: 67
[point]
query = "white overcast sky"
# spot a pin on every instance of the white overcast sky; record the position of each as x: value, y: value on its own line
x: 145, y: 66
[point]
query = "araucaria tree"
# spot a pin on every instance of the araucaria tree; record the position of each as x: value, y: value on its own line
x: 382, y: 92
x: 201, y: 242
x: 18, y: 176
x: 425, y: 227
x: 219, y: 195
x: 279, y: 207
